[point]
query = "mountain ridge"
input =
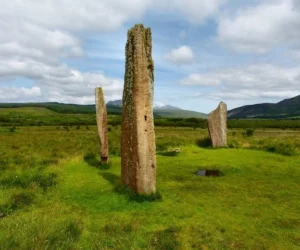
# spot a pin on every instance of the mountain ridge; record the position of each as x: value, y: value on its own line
x: 66, y: 108
x: 286, y: 108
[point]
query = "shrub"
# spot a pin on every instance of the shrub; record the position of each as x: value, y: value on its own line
x: 12, y: 129
x: 249, y: 132
x: 281, y: 148
x: 233, y: 144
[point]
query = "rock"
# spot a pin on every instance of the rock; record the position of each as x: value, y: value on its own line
x: 173, y: 152
x: 176, y: 150
x: 101, y: 117
x: 217, y: 126
x: 138, y: 160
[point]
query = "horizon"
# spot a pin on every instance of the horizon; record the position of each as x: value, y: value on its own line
x: 242, y: 53
x: 157, y: 105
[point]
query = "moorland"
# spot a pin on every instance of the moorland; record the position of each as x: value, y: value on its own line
x: 55, y: 194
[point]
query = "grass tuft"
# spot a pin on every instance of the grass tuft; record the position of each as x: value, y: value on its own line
x: 17, y: 201
x: 132, y: 196
x: 166, y: 239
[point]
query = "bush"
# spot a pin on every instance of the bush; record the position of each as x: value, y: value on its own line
x: 233, y: 144
x: 12, y: 129
x: 249, y: 132
x: 283, y: 149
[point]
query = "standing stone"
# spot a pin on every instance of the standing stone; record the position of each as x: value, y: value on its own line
x: 217, y: 126
x: 138, y: 160
x: 101, y: 117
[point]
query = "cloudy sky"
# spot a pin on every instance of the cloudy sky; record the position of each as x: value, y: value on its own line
x: 238, y: 51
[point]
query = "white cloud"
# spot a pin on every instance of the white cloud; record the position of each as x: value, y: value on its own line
x: 294, y: 54
x: 195, y: 11
x: 36, y: 35
x: 71, y: 86
x: 250, y: 82
x: 104, y: 15
x: 181, y: 55
x: 15, y: 93
x: 260, y: 28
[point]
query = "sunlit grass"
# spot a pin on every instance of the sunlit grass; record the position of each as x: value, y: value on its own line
x: 63, y: 198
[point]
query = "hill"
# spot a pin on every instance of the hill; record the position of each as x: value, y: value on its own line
x: 179, y: 113
x: 166, y: 111
x: 287, y: 108
x: 112, y: 108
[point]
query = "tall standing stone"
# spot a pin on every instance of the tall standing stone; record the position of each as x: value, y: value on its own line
x: 217, y: 126
x: 138, y: 160
x: 101, y: 117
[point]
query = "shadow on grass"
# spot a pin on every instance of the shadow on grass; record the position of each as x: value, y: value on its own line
x: 112, y: 178
x: 127, y: 192
x: 132, y: 196
x: 204, y: 142
x: 115, y: 181
x: 90, y: 158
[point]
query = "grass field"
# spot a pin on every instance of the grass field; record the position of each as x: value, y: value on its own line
x: 24, y: 111
x: 54, y: 193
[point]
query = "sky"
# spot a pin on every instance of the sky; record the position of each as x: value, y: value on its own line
x: 237, y: 51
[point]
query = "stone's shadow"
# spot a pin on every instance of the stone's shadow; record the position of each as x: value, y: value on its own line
x: 209, y: 172
x: 128, y: 193
x: 204, y: 142
x: 112, y: 178
x: 115, y: 181
x: 91, y: 159
x: 132, y: 196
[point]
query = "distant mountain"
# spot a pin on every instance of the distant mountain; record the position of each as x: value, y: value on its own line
x: 167, y: 111
x: 178, y: 113
x: 117, y: 103
x: 113, y: 107
x: 166, y: 107
x: 287, y: 108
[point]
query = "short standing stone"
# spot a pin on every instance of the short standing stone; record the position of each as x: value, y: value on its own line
x: 217, y: 126
x: 138, y: 158
x: 101, y: 117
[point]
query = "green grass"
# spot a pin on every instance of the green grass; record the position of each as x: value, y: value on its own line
x: 25, y: 111
x: 55, y: 194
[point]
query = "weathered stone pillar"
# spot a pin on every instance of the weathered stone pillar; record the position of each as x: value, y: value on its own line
x: 217, y: 126
x: 101, y: 117
x: 138, y: 139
